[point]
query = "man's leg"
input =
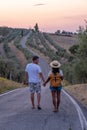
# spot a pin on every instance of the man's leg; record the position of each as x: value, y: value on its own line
x: 38, y: 91
x: 32, y: 91
x: 38, y: 100
x: 32, y: 100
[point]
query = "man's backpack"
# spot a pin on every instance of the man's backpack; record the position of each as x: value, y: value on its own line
x: 55, y: 80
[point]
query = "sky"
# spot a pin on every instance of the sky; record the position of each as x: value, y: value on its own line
x: 51, y: 15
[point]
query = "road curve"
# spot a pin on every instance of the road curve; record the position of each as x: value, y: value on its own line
x: 16, y: 112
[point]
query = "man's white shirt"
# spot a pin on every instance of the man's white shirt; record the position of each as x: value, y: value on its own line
x: 33, y: 71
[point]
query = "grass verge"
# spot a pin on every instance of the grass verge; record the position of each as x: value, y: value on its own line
x: 7, y: 85
x: 79, y: 91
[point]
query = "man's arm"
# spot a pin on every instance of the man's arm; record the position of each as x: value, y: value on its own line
x: 26, y: 78
x: 48, y: 79
x: 41, y: 76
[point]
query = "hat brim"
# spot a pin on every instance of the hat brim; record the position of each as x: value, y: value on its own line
x: 55, y: 66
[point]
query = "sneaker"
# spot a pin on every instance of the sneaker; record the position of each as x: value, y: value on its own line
x: 39, y: 108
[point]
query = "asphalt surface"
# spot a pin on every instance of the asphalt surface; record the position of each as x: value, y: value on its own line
x: 16, y: 112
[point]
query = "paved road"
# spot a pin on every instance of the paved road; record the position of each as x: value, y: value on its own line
x: 16, y: 112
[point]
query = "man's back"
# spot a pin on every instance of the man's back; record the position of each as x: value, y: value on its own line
x: 33, y: 72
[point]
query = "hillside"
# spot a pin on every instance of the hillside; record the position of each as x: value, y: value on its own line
x: 19, y: 54
x: 2, y: 52
x: 6, y: 85
x: 65, y: 41
x: 51, y: 46
x: 79, y: 91
x: 13, y: 58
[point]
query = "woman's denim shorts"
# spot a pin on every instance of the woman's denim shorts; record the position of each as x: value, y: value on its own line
x: 55, y: 88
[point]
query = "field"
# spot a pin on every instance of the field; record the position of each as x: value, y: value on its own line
x: 65, y: 41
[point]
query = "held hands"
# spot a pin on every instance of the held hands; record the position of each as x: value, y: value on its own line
x: 44, y: 84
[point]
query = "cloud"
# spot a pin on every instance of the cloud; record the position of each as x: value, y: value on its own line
x: 40, y: 4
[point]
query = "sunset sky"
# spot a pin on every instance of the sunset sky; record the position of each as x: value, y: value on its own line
x: 50, y: 15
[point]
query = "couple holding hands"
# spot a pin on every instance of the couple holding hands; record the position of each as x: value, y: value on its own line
x: 33, y: 75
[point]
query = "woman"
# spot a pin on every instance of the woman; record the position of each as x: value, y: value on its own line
x: 55, y: 77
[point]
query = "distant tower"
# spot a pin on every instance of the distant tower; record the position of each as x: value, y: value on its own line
x: 36, y: 27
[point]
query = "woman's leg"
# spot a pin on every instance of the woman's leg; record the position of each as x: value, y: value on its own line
x: 54, y: 99
x: 58, y: 98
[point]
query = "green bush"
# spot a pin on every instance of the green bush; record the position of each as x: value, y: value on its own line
x: 74, y: 49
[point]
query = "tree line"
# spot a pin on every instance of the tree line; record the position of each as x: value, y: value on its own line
x: 76, y: 70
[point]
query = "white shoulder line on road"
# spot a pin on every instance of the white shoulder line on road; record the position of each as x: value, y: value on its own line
x: 8, y: 92
x: 82, y: 118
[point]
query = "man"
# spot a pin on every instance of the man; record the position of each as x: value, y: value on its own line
x: 33, y: 76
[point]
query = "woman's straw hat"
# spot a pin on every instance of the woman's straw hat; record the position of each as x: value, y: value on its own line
x: 55, y: 64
